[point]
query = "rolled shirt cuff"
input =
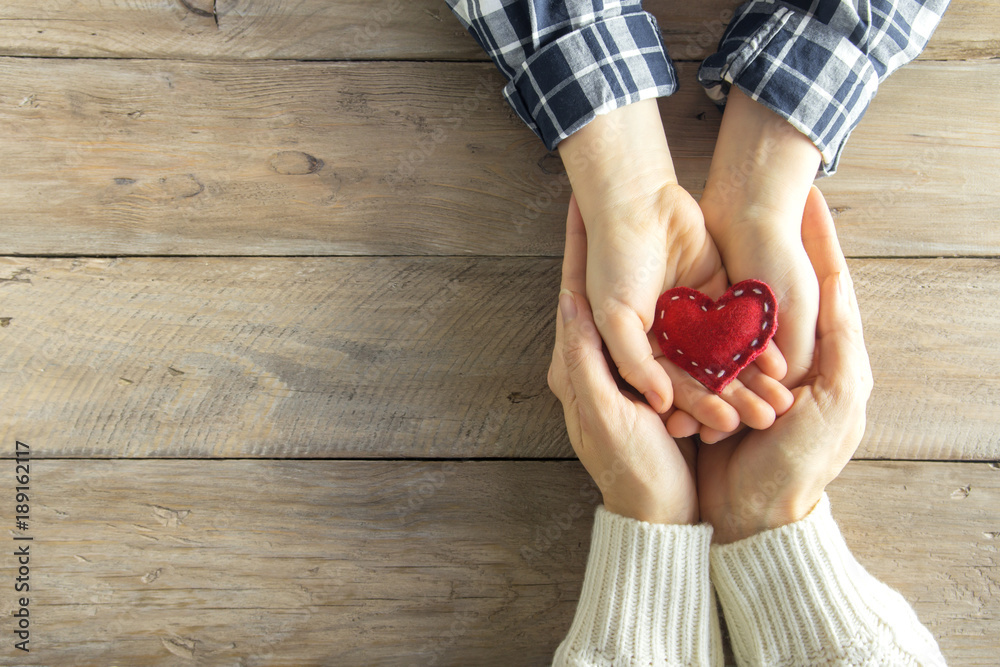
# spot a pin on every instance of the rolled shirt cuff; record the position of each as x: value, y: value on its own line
x: 591, y: 71
x: 800, y: 68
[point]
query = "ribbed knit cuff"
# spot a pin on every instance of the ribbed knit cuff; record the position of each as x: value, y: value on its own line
x: 646, y: 597
x: 795, y: 595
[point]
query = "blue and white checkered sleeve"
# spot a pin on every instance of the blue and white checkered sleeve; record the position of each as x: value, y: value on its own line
x: 818, y: 63
x: 567, y: 62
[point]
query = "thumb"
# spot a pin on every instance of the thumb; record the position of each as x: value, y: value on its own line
x: 588, y: 371
x: 844, y: 367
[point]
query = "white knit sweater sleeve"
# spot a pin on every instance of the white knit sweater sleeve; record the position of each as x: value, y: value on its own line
x: 795, y: 595
x: 646, y: 598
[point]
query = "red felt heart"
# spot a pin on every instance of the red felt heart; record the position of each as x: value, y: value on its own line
x: 715, y: 340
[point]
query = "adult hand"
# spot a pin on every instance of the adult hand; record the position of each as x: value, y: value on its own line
x: 760, y: 480
x: 622, y: 442
x: 645, y: 235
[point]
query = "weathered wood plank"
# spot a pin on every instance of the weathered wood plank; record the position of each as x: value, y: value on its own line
x: 373, y: 357
x: 912, y: 180
x: 389, y: 563
x: 249, y: 357
x: 158, y: 157
x: 355, y: 29
x: 933, y: 335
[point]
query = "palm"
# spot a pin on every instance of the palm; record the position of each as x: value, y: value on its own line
x: 740, y: 477
x: 640, y: 453
x: 666, y: 245
x: 783, y: 264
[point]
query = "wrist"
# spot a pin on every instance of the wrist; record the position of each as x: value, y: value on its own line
x: 618, y: 162
x: 658, y: 511
x: 761, y: 170
x: 759, y: 516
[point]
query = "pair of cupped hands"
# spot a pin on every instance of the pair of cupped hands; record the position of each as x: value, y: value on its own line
x: 788, y: 424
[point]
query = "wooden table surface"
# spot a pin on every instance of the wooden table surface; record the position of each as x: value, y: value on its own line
x: 277, y: 297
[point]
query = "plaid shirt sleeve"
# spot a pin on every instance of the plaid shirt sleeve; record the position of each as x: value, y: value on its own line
x: 818, y: 63
x: 567, y: 62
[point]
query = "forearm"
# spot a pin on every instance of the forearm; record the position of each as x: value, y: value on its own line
x: 761, y: 170
x: 796, y: 595
x: 818, y: 64
x: 646, y: 597
x: 619, y: 162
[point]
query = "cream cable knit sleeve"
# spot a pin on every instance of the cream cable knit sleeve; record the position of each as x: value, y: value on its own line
x: 795, y: 595
x: 646, y: 598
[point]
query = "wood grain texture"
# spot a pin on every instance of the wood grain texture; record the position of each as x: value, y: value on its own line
x: 413, y: 357
x: 388, y: 563
x: 356, y: 29
x: 930, y: 328
x: 281, y: 357
x: 159, y: 157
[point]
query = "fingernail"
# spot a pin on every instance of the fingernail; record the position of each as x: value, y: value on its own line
x: 654, y: 401
x: 567, y: 305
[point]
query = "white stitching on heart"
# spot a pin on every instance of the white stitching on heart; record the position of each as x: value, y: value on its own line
x: 691, y: 297
x: 679, y: 352
x: 695, y: 364
x: 704, y: 309
x: 763, y: 326
x: 738, y: 292
x: 757, y: 291
x: 674, y: 298
x: 721, y: 307
x: 721, y: 373
x: 663, y: 313
x: 708, y: 371
x: 754, y: 343
x: 765, y: 307
x: 737, y: 357
x: 665, y: 335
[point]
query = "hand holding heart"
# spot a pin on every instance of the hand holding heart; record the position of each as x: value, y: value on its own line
x: 759, y: 480
x: 645, y: 234
x: 751, y: 481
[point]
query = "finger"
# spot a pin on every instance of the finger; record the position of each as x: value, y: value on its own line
x: 574, y: 267
x: 692, y: 397
x: 682, y: 425
x: 626, y: 338
x: 839, y: 323
x: 726, y: 410
x: 711, y: 436
x: 819, y: 238
x: 844, y: 366
x: 754, y: 411
x: 588, y: 375
x: 771, y: 362
x: 769, y: 389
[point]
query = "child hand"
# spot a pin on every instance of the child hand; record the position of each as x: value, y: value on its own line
x: 643, y: 235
